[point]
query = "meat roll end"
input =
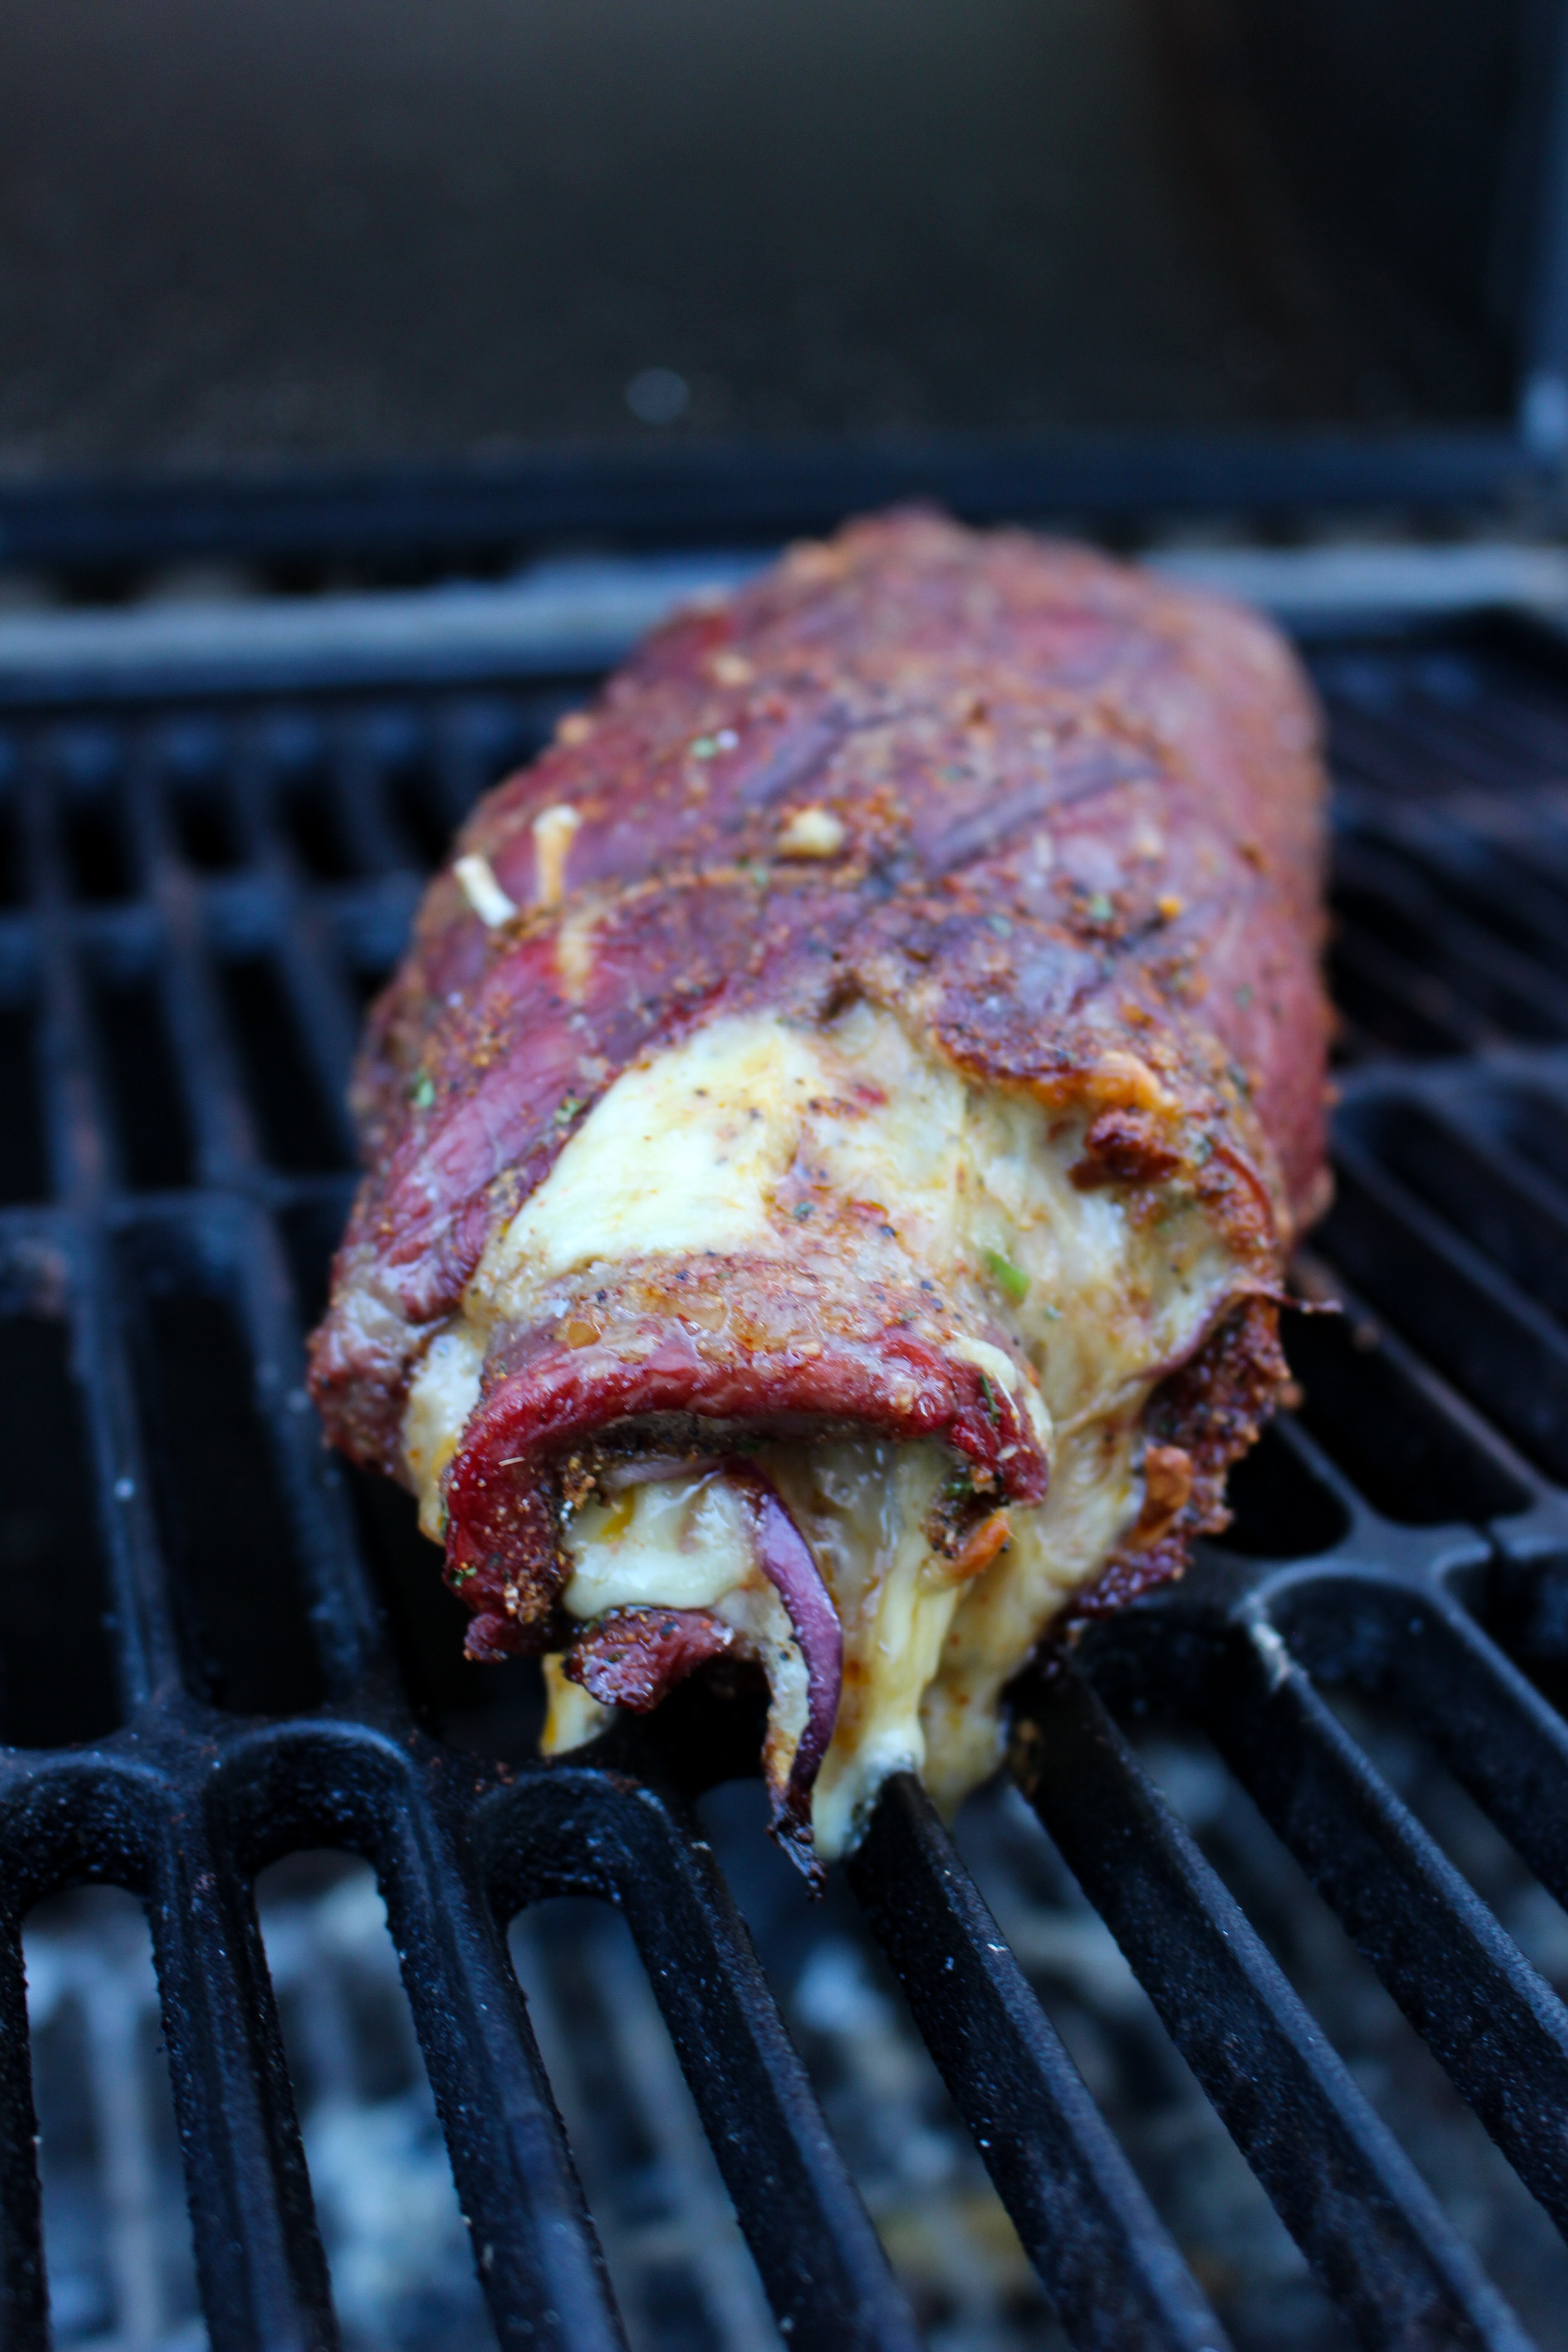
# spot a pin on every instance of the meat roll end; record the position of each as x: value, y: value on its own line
x: 836, y: 1143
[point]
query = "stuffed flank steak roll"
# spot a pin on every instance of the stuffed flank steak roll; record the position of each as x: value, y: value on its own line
x: 833, y: 1143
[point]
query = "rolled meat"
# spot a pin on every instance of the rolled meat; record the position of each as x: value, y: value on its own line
x: 833, y: 1143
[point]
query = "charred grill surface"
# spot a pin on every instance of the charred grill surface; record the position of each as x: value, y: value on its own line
x: 217, y: 1660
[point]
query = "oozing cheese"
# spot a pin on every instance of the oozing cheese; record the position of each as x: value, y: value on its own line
x: 733, y: 1141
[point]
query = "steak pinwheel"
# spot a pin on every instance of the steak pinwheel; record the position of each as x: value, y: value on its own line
x: 834, y: 1143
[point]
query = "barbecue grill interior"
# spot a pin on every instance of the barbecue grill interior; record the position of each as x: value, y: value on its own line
x: 216, y: 1650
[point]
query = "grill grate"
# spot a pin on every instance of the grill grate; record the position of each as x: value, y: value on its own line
x: 218, y: 1647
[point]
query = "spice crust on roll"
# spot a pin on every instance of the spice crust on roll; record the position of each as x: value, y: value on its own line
x: 834, y: 1144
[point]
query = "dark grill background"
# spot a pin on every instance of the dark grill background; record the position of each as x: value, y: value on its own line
x: 218, y: 1648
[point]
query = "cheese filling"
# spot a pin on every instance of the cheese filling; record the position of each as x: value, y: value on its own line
x: 759, y: 1137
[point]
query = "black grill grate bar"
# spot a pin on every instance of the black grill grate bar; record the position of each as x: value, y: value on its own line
x: 1360, y: 2213
x: 23, y: 2290
x: 535, y: 2249
x: 1495, y: 1343
x: 142, y: 1637
x: 60, y: 1264
x: 621, y: 1837
x: 1499, y: 744
x: 1494, y: 1731
x: 218, y: 1110
x: 1520, y: 834
x: 1115, y: 2279
x: 1416, y: 754
x: 1493, y: 884
x: 236, y: 1245
x: 1494, y: 975
x: 223, y: 1119
x: 372, y: 835
x: 72, y: 1114
x: 1508, y: 713
x: 262, y: 2273
x: 1515, y: 1214
x: 419, y: 1813
x: 1364, y: 1528
x: 369, y: 923
x: 1387, y: 999
x: 347, y: 1621
x: 328, y: 1020
x: 258, y: 2252
x: 1500, y: 2032
x: 1510, y: 1487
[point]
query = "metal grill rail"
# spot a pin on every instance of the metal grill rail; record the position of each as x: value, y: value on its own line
x: 193, y: 900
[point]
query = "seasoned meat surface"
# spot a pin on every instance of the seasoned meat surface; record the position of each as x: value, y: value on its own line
x: 881, y: 1042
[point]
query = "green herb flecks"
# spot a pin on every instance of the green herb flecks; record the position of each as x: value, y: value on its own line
x: 422, y: 1093
x: 993, y: 1410
x: 1009, y: 1278
x: 1098, y: 908
x: 566, y: 1110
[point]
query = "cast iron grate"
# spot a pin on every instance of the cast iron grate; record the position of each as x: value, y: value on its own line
x: 216, y: 1647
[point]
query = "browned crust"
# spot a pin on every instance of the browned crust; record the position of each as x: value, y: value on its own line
x: 1197, y: 1423
x: 1081, y: 812
x: 1079, y: 855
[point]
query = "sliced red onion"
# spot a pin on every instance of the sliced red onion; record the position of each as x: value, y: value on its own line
x: 785, y: 1559
x: 653, y: 1470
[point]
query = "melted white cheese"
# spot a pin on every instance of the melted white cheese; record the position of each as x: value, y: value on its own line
x: 679, y: 1155
x: 440, y: 1403
x: 968, y: 1187
x: 682, y: 1544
